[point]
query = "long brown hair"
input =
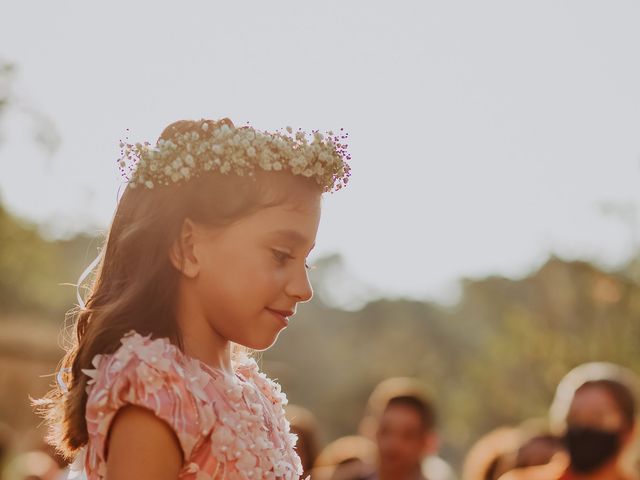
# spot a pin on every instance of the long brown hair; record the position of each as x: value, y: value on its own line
x: 135, y: 283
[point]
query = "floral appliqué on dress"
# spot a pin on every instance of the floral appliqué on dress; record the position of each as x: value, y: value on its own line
x: 229, y: 427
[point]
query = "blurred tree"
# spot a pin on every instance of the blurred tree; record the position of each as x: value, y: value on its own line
x: 33, y: 270
x: 30, y: 266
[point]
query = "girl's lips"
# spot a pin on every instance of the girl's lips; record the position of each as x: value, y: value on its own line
x: 282, y: 315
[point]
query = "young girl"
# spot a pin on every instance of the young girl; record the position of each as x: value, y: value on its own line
x: 206, y: 255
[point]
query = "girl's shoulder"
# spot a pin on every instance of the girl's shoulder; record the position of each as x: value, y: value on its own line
x: 134, y: 347
x: 148, y: 373
x: 146, y: 365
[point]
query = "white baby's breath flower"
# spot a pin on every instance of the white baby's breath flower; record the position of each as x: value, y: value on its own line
x: 217, y: 149
x: 298, y: 161
x: 265, y: 164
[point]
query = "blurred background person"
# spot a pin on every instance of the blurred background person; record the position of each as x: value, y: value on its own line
x: 516, y: 452
x: 353, y: 457
x: 538, y: 450
x: 304, y: 424
x: 402, y: 419
x: 541, y: 456
x: 404, y: 438
x: 594, y: 410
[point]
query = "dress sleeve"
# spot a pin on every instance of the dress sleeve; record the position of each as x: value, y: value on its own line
x: 144, y: 373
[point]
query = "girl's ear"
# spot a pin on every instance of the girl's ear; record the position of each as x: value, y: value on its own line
x: 182, y: 252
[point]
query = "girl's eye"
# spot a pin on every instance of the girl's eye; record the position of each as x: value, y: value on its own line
x: 281, y: 256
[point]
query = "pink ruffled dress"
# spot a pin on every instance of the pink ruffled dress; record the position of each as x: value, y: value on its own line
x: 228, y: 427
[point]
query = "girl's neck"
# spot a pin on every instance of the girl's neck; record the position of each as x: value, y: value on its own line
x: 201, y: 341
x: 216, y: 353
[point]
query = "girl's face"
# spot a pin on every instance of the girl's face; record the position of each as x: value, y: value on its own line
x: 251, y: 275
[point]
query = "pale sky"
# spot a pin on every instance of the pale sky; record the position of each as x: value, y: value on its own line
x: 484, y: 135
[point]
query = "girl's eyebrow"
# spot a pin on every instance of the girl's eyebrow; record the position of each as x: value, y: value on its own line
x: 293, y: 236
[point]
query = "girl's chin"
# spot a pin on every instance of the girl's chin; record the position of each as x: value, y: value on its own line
x: 263, y: 343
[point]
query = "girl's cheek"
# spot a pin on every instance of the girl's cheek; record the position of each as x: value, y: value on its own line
x: 279, y: 277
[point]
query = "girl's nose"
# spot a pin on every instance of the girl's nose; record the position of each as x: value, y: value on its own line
x: 300, y: 288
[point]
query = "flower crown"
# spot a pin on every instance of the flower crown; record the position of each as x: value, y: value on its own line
x: 209, y: 146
